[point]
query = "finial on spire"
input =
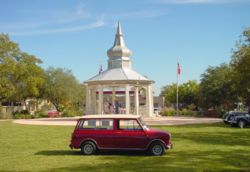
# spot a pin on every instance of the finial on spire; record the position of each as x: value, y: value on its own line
x: 119, y: 29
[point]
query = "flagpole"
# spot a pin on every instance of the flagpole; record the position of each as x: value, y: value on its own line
x: 177, y: 86
x: 177, y: 90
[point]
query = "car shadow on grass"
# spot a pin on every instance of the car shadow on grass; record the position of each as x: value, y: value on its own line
x: 99, y: 153
x: 58, y: 152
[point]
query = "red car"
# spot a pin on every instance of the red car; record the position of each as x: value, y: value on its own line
x: 53, y: 113
x: 118, y: 132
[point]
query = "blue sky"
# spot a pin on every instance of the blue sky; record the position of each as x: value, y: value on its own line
x: 75, y: 34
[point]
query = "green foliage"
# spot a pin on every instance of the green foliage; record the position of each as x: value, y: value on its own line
x: 23, y: 114
x: 217, y: 89
x: 192, y: 107
x: 188, y: 93
x: 223, y: 86
x: 20, y: 75
x: 241, y: 66
x: 41, y: 114
x: 182, y: 112
x: 1, y: 111
x: 168, y: 112
x: 69, y: 113
x: 62, y: 89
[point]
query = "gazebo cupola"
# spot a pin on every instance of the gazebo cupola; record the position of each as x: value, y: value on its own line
x: 119, y: 54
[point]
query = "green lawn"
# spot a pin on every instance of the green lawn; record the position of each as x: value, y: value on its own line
x: 212, y: 147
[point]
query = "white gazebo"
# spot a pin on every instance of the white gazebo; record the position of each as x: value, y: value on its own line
x: 119, y: 83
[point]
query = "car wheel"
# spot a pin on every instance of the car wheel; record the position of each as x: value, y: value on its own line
x: 156, y: 149
x: 88, y: 148
x: 241, y: 123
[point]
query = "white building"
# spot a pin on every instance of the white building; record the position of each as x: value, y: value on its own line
x: 119, y: 83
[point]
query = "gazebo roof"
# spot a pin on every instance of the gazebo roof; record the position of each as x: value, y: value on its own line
x: 119, y: 74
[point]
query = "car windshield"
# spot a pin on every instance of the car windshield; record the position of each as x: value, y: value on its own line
x: 144, y: 126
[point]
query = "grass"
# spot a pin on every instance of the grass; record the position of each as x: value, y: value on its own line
x: 208, y: 147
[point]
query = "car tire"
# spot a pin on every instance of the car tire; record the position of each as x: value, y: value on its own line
x: 156, y: 149
x: 88, y: 148
x: 241, y: 123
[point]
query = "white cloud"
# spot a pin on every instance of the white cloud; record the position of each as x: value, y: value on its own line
x: 96, y: 24
x: 54, y: 21
x: 51, y: 21
x: 140, y: 14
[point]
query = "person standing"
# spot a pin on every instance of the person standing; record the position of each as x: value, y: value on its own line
x: 117, y: 107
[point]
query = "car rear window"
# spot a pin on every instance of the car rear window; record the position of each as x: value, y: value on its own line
x: 104, y: 124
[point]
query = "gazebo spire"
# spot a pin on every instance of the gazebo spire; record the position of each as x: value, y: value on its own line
x: 119, y: 48
x: 119, y: 41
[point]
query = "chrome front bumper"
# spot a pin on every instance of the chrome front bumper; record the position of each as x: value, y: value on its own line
x: 170, y: 146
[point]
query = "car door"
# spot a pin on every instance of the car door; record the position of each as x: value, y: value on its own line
x: 105, y: 133
x: 101, y: 131
x: 130, y: 135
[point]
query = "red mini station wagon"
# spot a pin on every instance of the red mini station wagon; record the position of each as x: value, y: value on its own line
x: 118, y: 132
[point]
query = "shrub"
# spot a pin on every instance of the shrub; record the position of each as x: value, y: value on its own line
x: 23, y: 114
x: 41, y: 114
x: 191, y: 107
x: 71, y: 113
x: 183, y: 112
x: 186, y: 112
x: 1, y: 111
x: 168, y: 112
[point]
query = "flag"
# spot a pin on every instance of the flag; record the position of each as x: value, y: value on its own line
x: 100, y: 70
x: 178, y: 69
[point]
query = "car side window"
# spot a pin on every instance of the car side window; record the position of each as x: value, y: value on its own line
x: 129, y: 124
x: 97, y: 124
x: 107, y: 124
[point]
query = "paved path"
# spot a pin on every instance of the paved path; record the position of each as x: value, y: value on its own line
x: 149, y: 121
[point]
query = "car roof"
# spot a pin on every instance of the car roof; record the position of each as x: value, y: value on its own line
x: 237, y: 112
x: 113, y: 116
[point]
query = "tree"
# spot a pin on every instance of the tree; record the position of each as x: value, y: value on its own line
x: 240, y: 63
x: 20, y: 75
x: 9, y: 52
x: 63, y: 90
x: 217, y: 88
x: 188, y: 93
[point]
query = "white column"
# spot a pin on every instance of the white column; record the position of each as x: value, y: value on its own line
x: 136, y: 101
x: 93, y: 101
x: 100, y: 100
x: 149, y: 101
x: 87, y: 100
x: 113, y: 95
x: 152, y: 101
x: 127, y: 100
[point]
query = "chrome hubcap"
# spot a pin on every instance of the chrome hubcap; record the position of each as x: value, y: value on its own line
x: 88, y: 149
x: 157, y: 149
x: 241, y: 124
